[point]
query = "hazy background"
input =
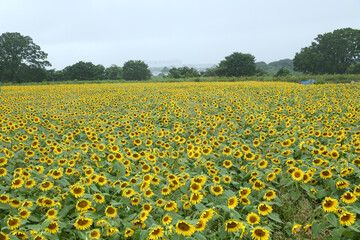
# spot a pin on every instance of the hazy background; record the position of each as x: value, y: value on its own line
x: 160, y: 32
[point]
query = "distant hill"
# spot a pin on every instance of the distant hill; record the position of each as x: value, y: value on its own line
x: 274, y: 67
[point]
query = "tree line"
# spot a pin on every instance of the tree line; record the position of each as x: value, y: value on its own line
x: 337, y: 52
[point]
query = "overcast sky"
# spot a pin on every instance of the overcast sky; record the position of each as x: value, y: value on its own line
x: 192, y: 31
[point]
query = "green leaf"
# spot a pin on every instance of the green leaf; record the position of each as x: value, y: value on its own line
x: 354, y: 228
x: 275, y: 217
x: 317, y: 228
x: 65, y: 211
x: 333, y: 219
x: 144, y: 234
x: 200, y: 207
x: 199, y: 236
x: 336, y: 233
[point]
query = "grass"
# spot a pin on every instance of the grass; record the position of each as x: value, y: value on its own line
x: 320, y: 79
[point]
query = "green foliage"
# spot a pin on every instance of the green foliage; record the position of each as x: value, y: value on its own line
x: 21, y: 59
x: 330, y: 53
x: 283, y: 72
x: 183, y: 72
x: 354, y: 69
x: 209, y: 72
x: 260, y: 72
x: 84, y: 71
x: 113, y: 72
x: 274, y: 67
x: 136, y: 70
x: 236, y: 65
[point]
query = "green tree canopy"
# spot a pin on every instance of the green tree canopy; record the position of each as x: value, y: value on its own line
x: 19, y: 53
x: 236, y: 65
x: 84, y: 71
x: 330, y: 53
x: 113, y: 72
x: 183, y: 72
x: 283, y: 72
x: 136, y: 70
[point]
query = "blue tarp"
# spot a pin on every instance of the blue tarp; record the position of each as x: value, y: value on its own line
x: 307, y: 82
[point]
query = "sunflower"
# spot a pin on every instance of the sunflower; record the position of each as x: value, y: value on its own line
x: 227, y: 179
x: 244, y: 192
x: 260, y: 233
x: 184, y: 228
x: 77, y: 191
x: 147, y: 207
x: 128, y: 232
x: 13, y: 223
x: 200, y: 225
x: 348, y: 197
x: 356, y: 191
x: 102, y: 223
x: 258, y: 185
x: 296, y: 228
x: 166, y: 220
x: 170, y: 206
x: 207, y: 214
x: 19, y: 234
x: 249, y: 156
x: 264, y: 209
x: 195, y: 187
x: 297, y: 175
x: 110, y: 211
x: 269, y: 195
x: 148, y: 193
x: 95, y: 234
x: 3, y: 161
x: 17, y: 182
x: 51, y: 213
x: 98, y: 198
x: 325, y: 174
x: 232, y: 202
x: 144, y: 215
x: 30, y: 183
x: 227, y: 163
x: 330, y: 204
x: 4, y: 236
x: 4, y: 198
x: 53, y: 227
x: 3, y: 172
x: 128, y: 193
x: 24, y: 213
x: 217, y: 189
x: 234, y: 226
x: 156, y: 233
x: 14, y: 203
x: 83, y: 223
x: 253, y: 218
x: 196, y: 198
x: 334, y: 154
x: 111, y: 231
x: 160, y: 202
x: 347, y: 218
x: 83, y: 205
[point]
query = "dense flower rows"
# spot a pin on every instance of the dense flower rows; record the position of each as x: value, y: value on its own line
x: 176, y: 160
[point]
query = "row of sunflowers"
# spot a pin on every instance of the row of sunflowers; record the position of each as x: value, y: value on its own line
x: 180, y: 160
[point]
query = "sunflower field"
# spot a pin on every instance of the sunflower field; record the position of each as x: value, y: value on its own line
x: 244, y: 160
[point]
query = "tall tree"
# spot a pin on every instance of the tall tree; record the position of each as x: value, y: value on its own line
x: 84, y: 71
x: 113, y: 72
x: 331, y: 52
x: 18, y: 52
x: 237, y: 64
x: 183, y: 72
x: 136, y: 70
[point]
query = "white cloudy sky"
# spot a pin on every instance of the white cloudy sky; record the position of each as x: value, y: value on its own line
x: 192, y: 31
